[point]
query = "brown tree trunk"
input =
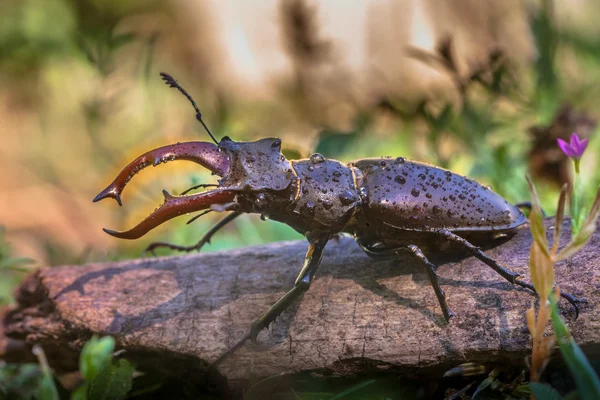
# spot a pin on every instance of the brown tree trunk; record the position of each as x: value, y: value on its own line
x: 171, y: 314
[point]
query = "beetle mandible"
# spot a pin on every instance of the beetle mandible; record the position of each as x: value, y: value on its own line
x: 390, y: 206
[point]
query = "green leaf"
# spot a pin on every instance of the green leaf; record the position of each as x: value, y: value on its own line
x: 523, y: 390
x: 541, y: 391
x: 353, y: 389
x: 588, y: 383
x: 572, y: 396
x: 113, y: 382
x: 309, y: 395
x: 483, y: 385
x: 47, y: 388
x: 582, y: 237
x: 577, y: 212
x: 14, y: 262
x: 578, y: 242
x: 81, y: 392
x: 94, y: 356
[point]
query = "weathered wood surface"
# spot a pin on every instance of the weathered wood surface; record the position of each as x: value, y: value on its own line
x: 171, y: 312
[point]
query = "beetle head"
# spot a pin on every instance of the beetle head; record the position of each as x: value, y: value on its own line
x: 256, y: 166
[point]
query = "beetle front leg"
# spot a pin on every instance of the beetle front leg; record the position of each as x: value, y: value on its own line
x: 301, y: 285
x: 510, y: 276
x: 433, y: 278
x: 204, y: 240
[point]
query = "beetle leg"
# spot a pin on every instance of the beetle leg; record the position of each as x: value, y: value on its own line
x: 527, y: 205
x: 429, y: 267
x: 301, y: 285
x: 433, y: 278
x: 205, y: 239
x: 510, y: 276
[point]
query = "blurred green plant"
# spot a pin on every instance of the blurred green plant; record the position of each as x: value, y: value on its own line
x: 47, y: 389
x: 8, y: 262
x: 542, y: 260
x: 11, y: 268
x: 19, y: 381
x: 104, y: 376
x: 307, y: 387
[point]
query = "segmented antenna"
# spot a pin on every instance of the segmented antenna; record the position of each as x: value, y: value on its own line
x: 169, y: 80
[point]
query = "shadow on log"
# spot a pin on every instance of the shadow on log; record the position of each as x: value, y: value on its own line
x: 171, y: 315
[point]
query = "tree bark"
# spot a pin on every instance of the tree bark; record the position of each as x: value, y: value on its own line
x: 173, y: 314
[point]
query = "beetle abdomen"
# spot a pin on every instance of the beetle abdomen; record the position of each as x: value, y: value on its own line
x: 414, y: 196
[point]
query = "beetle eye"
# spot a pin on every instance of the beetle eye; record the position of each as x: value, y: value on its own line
x: 276, y: 143
x: 225, y: 139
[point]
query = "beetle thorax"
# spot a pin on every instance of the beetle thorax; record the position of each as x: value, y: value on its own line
x: 327, y: 195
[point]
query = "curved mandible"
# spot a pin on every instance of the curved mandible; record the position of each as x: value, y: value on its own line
x: 203, y: 153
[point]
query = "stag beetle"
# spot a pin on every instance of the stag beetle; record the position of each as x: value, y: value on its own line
x: 388, y: 205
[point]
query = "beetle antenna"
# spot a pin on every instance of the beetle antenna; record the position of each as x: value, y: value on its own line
x: 169, y: 80
x: 204, y: 185
x: 198, y: 216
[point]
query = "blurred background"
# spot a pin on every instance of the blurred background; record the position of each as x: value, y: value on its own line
x: 480, y: 87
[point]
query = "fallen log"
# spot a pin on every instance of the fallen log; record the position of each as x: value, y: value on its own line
x: 171, y: 315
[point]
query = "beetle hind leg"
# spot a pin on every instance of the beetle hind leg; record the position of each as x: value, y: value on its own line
x: 510, y: 276
x: 527, y: 205
x: 433, y: 278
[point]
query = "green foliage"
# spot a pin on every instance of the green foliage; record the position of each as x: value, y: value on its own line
x: 11, y: 269
x: 94, y: 355
x: 546, y: 38
x: 19, y: 381
x: 47, y: 389
x: 307, y: 387
x: 32, y: 31
x: 588, y: 382
x: 353, y: 390
x: 113, y: 381
x: 105, y: 377
x: 6, y: 260
x: 542, y: 274
x: 544, y: 392
x: 485, y: 383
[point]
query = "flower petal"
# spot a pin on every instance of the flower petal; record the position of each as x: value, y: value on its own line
x: 568, y: 150
x: 582, y: 146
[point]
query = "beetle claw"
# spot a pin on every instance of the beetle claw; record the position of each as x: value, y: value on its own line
x: 112, y: 192
x: 111, y: 232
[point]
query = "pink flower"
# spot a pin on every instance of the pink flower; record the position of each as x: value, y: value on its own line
x: 575, y: 148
